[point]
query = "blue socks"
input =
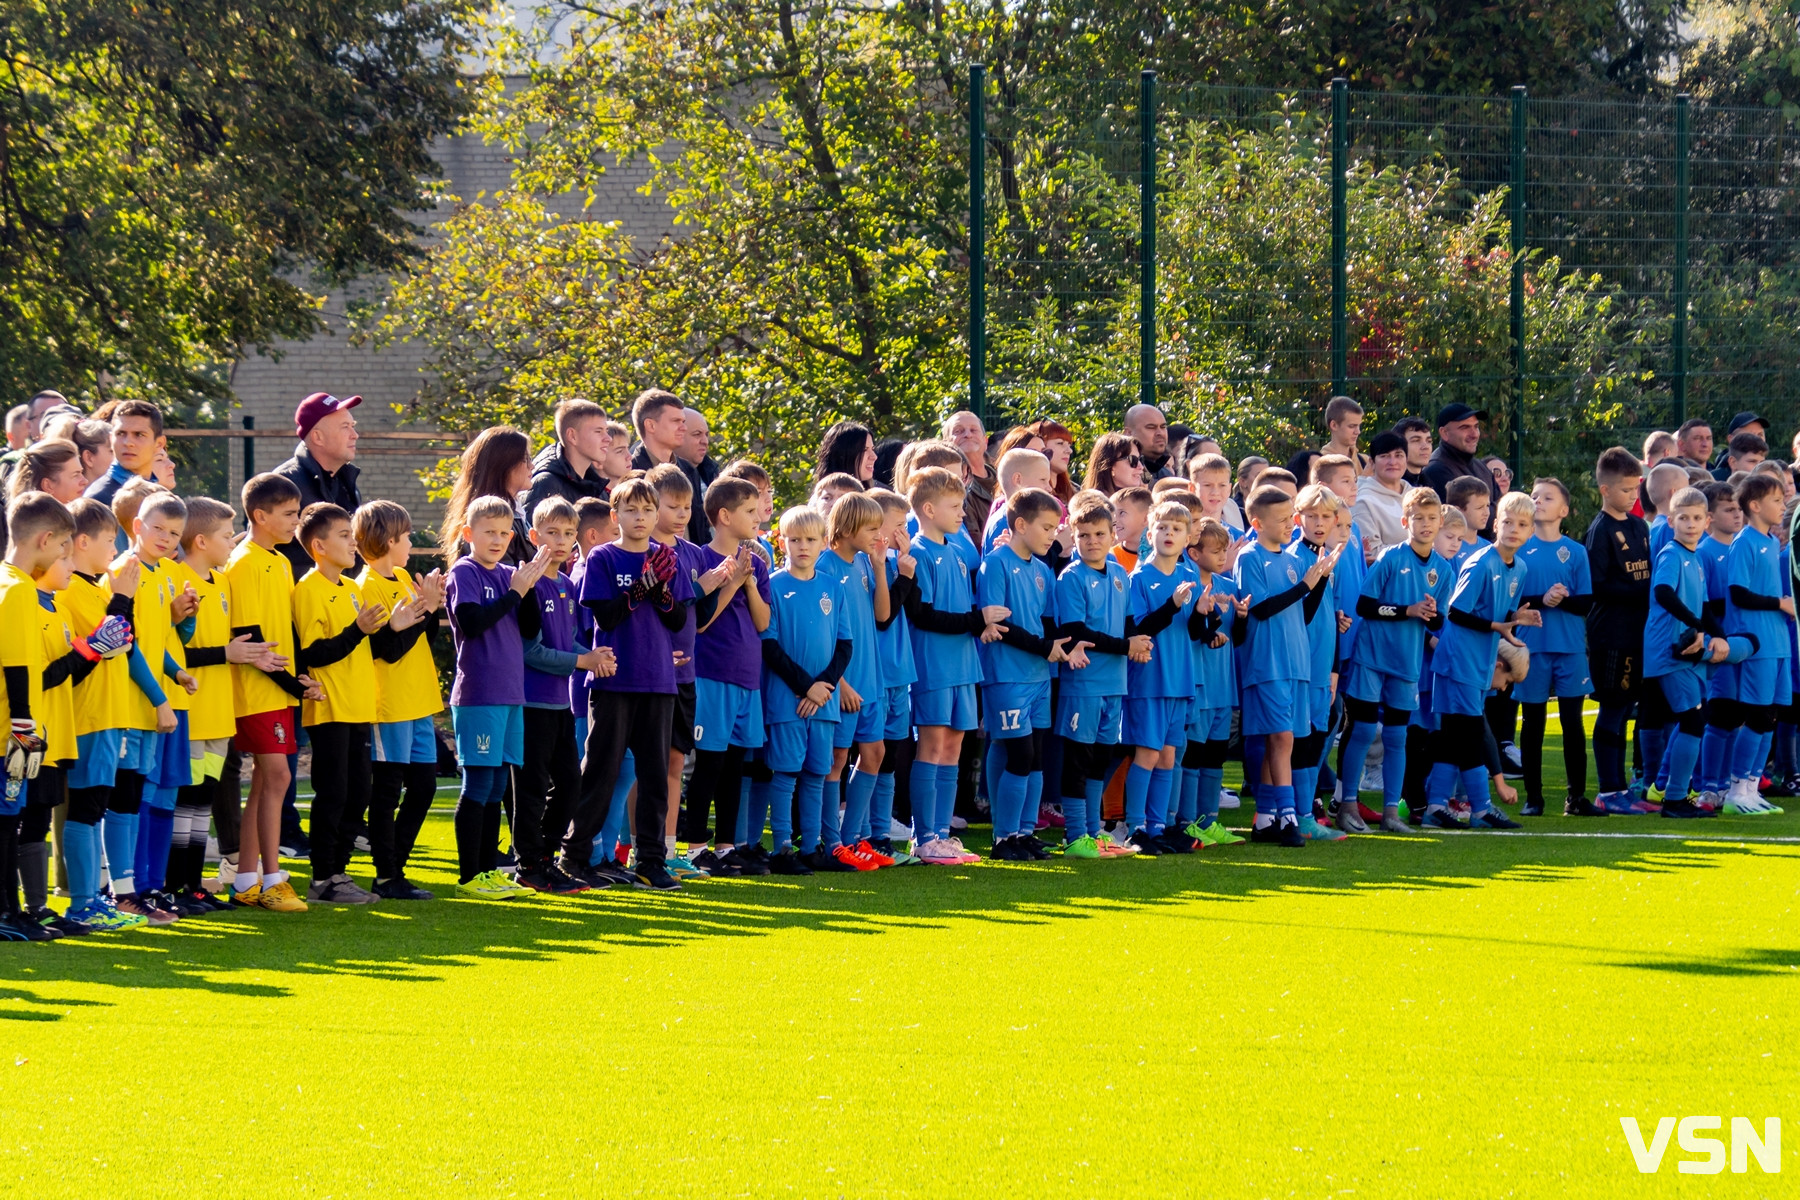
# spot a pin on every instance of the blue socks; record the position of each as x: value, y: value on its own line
x: 857, y: 795
x: 1475, y: 787
x: 156, y: 829
x: 1074, y: 818
x: 1439, y: 784
x: 1034, y: 800
x: 81, y: 851
x: 1137, y: 796
x: 1393, y: 765
x: 1306, y: 786
x: 1679, y: 760
x: 1096, y: 800
x: 1189, y: 810
x: 1156, y: 816
x: 1255, y: 750
x: 922, y: 787
x: 946, y: 797
x: 753, y: 811
x: 1008, y: 799
x: 1357, y: 742
x: 830, y: 813
x: 1283, y: 799
x: 881, y: 805
x: 119, y: 834
x: 1748, y: 752
x: 781, y: 809
x: 1208, y: 782
x: 809, y: 800
x: 1715, y: 757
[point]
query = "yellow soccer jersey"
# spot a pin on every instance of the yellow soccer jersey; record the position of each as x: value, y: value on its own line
x: 58, y: 718
x: 212, y: 710
x: 101, y: 700
x: 151, y: 628
x: 261, y: 590
x: 21, y: 638
x: 408, y: 689
x: 324, y: 608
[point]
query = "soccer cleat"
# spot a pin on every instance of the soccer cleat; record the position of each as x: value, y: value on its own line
x: 556, y: 881
x: 1278, y: 833
x: 15, y: 927
x: 1492, y: 818
x: 137, y: 906
x: 1228, y: 798
x: 1617, y: 804
x: 879, y: 856
x: 1350, y: 820
x: 856, y: 861
x: 1509, y: 754
x: 1217, y: 835
x: 654, y: 876
x: 938, y: 852
x: 1007, y: 849
x: 1175, y: 841
x: 1035, y: 850
x: 1685, y: 809
x: 1050, y: 816
x: 906, y: 858
x: 489, y: 885
x: 715, y: 866
x: 1532, y: 808
x: 1112, y: 849
x: 67, y: 926
x: 741, y: 861
x: 103, y: 916
x: 1146, y: 845
x: 1653, y: 794
x: 1748, y: 804
x: 1581, y: 806
x: 1082, y: 847
x: 787, y: 862
x: 682, y: 867
x: 1442, y: 818
x: 281, y: 898
x: 401, y: 888
x: 823, y: 860
x: 1312, y: 831
x: 339, y: 889
x: 968, y: 856
x: 1392, y: 823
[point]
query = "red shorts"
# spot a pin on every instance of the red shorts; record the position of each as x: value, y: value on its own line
x: 274, y: 732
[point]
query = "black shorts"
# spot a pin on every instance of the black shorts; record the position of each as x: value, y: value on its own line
x: 681, y: 734
x: 1617, y: 675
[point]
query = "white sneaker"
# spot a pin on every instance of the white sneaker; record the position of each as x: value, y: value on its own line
x: 898, y: 832
x: 938, y: 852
x: 1371, y: 780
x: 1229, y: 799
x: 958, y: 823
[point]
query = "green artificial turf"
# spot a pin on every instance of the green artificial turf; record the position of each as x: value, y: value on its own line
x: 1455, y: 1015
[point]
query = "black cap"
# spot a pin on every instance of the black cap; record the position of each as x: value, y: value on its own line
x: 1385, y: 442
x: 1742, y: 419
x: 1451, y: 413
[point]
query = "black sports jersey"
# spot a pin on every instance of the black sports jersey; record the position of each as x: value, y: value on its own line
x: 1619, y: 561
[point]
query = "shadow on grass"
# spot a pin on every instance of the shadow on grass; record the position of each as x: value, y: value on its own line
x: 224, y: 955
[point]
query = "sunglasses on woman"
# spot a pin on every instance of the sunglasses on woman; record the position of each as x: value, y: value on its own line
x: 1134, y: 461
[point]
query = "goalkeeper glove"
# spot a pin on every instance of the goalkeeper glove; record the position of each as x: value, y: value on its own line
x: 24, y: 751
x: 110, y: 638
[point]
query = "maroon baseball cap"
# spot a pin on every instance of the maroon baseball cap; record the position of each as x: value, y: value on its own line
x: 317, y: 407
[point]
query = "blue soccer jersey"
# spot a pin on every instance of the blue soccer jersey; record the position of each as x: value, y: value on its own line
x: 1714, y: 555
x: 1170, y: 672
x: 807, y: 618
x: 1547, y: 564
x: 1027, y: 587
x: 1660, y: 535
x: 1680, y: 570
x: 1096, y: 600
x: 1215, y: 676
x: 1488, y: 588
x: 1321, y: 628
x: 895, y: 642
x: 1755, y: 566
x: 943, y: 660
x: 1347, y: 581
x: 1275, y: 648
x: 1399, y: 579
x: 856, y: 579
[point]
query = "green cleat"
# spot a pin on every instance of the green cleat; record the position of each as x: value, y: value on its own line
x: 490, y: 885
x: 1082, y: 847
x: 1216, y: 834
x: 681, y: 867
x: 904, y: 858
x: 1312, y: 831
x: 1653, y: 794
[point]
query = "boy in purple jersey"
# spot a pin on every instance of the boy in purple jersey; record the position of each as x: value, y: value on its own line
x: 728, y: 707
x: 639, y: 601
x: 488, y: 626
x: 674, y: 508
x: 548, y: 782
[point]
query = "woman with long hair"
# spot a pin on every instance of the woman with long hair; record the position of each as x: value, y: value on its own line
x: 1059, y: 448
x: 52, y: 465
x: 1114, y: 464
x: 848, y: 448
x: 496, y: 463
x: 94, y: 439
x: 1247, y: 471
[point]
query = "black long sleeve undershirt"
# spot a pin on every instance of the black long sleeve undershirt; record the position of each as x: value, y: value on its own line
x: 1272, y: 606
x: 475, y: 619
x: 391, y: 645
x: 283, y: 679
x: 935, y: 620
x: 1469, y: 620
x: 1203, y: 626
x: 1671, y: 603
x: 1743, y: 597
x: 335, y: 648
x: 1315, y: 596
x: 795, y: 676
x: 71, y: 667
x: 1031, y: 643
x: 1371, y: 609
x: 18, y: 695
x: 1102, y: 643
x: 898, y: 590
x: 1153, y: 622
x: 1575, y: 606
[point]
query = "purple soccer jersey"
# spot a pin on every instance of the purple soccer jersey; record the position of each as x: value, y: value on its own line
x: 689, y: 565
x: 554, y: 596
x: 643, y: 645
x: 730, y: 649
x: 490, y: 669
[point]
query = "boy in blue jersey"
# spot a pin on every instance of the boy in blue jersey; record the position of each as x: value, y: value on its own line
x: 1421, y: 733
x: 1557, y: 584
x: 893, y: 640
x: 1660, y: 486
x: 1469, y: 496
x: 1724, y: 521
x: 1484, y: 608
x: 1746, y: 693
x: 1091, y: 601
x: 1338, y: 473
x: 946, y: 627
x: 1159, y: 692
x: 1399, y: 609
x: 1017, y: 669
x: 1018, y: 470
x: 805, y: 651
x: 1215, y: 687
x: 1318, y: 511
x: 1276, y: 665
x: 1681, y: 643
x: 855, y: 528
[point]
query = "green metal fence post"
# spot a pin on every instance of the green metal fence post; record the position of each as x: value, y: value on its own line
x: 1516, y: 302
x: 978, y: 240
x: 1678, y: 380
x: 1340, y: 238
x: 1147, y: 237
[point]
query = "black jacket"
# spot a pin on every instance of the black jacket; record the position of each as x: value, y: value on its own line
x: 1447, y: 463
x: 699, y: 528
x: 317, y: 486
x: 551, y: 475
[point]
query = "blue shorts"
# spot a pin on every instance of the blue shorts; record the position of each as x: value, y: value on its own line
x: 898, y: 706
x: 489, y: 735
x: 1279, y: 706
x: 1010, y: 710
x: 1683, y: 689
x: 1363, y: 682
x: 167, y: 762
x: 1759, y: 681
x: 1155, y: 722
x: 953, y: 707
x: 1090, y: 720
x: 866, y: 724
x: 1319, y: 709
x: 1554, y: 673
x: 413, y: 741
x: 1209, y: 724
x: 726, y: 714
x: 1454, y: 696
x: 800, y: 746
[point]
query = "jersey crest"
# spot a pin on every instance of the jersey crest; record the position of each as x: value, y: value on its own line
x: 1293, y: 576
x: 1562, y: 554
x: 825, y: 605
x: 1431, y: 577
x: 1118, y: 583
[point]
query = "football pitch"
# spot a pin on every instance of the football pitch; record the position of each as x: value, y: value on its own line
x: 1440, y: 1015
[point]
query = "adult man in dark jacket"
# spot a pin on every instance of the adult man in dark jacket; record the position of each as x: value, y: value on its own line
x: 322, y: 466
x: 661, y: 425
x: 1459, y: 433
x: 571, y: 467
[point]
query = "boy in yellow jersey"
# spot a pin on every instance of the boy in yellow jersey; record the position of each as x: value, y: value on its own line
x: 206, y: 546
x: 260, y: 583
x: 407, y: 693
x: 157, y: 716
x: 332, y: 624
x: 96, y: 612
x: 40, y: 529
